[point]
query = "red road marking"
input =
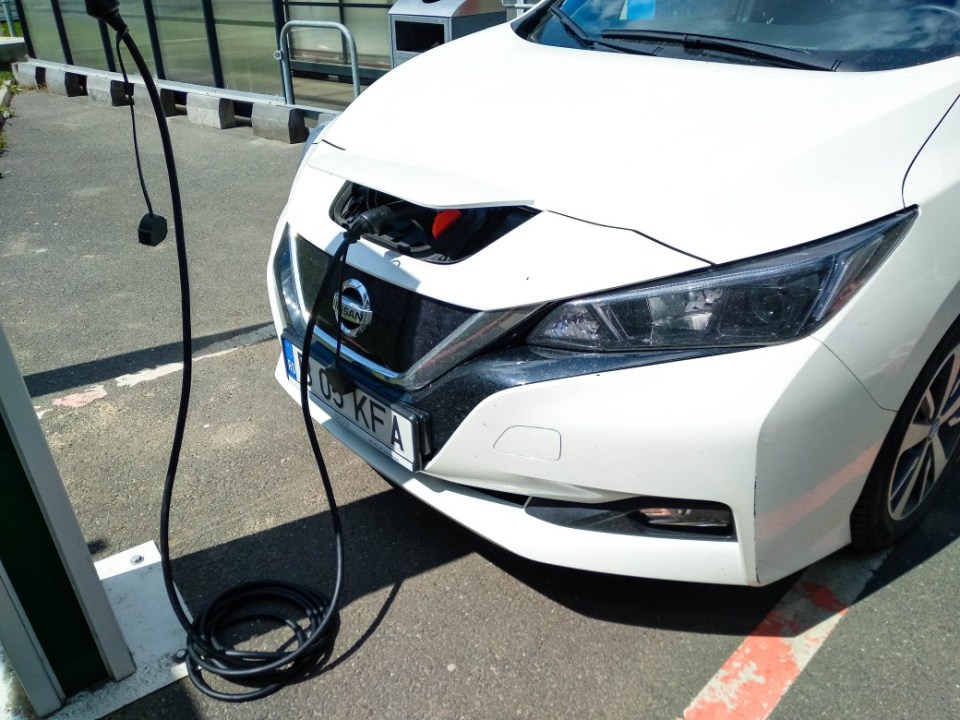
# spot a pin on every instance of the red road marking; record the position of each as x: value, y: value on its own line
x: 81, y: 399
x: 756, y: 676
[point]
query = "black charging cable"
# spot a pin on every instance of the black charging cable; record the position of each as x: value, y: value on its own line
x: 153, y: 227
x: 369, y: 221
x: 276, y: 602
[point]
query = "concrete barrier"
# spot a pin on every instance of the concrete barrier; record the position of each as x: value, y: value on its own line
x: 64, y: 82
x: 142, y: 103
x: 210, y: 111
x: 29, y: 75
x: 11, y: 50
x: 106, y: 91
x: 278, y: 122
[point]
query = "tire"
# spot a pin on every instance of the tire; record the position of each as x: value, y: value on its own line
x: 916, y: 455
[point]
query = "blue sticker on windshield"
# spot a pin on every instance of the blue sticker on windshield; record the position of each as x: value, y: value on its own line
x: 641, y: 9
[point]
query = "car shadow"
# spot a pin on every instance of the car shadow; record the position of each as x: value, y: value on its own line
x: 389, y: 537
x: 392, y: 537
x: 692, y: 607
x: 939, y: 529
x: 660, y: 604
x: 112, y: 367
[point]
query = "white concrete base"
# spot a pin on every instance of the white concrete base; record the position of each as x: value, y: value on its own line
x: 13, y: 701
x: 149, y: 627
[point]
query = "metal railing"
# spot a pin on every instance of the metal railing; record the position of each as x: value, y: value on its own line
x: 518, y: 5
x: 9, y: 17
x: 283, y: 53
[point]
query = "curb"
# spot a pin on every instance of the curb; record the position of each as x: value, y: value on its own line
x: 6, y: 96
x: 29, y: 75
x: 269, y: 119
x: 66, y: 83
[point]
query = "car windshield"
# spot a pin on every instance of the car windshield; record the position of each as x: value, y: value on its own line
x: 818, y: 34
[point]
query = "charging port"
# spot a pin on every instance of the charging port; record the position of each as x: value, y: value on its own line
x: 437, y: 236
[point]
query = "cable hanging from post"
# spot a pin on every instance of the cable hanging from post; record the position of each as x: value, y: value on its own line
x: 258, y: 601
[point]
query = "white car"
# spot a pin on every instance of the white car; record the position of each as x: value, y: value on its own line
x: 667, y: 289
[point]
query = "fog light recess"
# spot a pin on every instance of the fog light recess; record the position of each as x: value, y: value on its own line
x: 709, y: 520
x: 656, y: 516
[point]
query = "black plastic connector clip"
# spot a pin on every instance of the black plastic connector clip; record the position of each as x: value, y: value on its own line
x: 108, y: 11
x: 152, y: 230
x: 340, y: 382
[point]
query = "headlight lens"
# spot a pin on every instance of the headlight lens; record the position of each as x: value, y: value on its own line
x: 770, y: 299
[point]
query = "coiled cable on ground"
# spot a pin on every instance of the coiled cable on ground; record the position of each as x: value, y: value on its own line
x: 309, y: 617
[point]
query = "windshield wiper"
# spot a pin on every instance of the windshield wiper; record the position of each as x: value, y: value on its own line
x: 787, y: 56
x: 588, y: 40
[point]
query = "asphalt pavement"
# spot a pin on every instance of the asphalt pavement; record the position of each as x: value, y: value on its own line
x: 436, y: 623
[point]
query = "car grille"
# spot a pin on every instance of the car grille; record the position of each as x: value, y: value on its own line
x: 406, y: 326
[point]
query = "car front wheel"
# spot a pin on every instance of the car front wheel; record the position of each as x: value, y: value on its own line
x: 915, y: 455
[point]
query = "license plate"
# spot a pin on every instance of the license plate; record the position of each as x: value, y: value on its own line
x: 387, y: 426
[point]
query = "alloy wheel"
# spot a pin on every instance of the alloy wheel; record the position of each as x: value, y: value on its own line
x: 929, y: 441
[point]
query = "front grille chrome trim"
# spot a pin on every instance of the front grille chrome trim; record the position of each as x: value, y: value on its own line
x: 356, y: 358
x: 478, y: 331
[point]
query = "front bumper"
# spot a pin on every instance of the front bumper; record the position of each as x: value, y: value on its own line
x: 784, y: 436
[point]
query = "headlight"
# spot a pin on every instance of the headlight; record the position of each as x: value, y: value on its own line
x: 769, y: 299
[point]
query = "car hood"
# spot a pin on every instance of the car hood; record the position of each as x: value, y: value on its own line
x: 718, y: 160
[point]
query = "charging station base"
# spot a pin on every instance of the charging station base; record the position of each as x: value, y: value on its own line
x: 133, y: 582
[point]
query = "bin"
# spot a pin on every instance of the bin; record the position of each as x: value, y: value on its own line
x: 418, y: 25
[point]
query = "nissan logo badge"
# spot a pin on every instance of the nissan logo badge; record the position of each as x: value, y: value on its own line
x: 355, y: 315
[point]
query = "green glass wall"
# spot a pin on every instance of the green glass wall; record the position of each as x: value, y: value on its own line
x: 325, y: 46
x: 247, y: 36
x: 136, y: 20
x: 371, y: 29
x: 83, y: 34
x: 38, y: 17
x: 368, y: 22
x: 183, y: 41
x: 231, y: 44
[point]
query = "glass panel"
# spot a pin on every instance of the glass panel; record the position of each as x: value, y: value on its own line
x: 83, y: 34
x: 247, y: 37
x: 183, y: 41
x: 137, y: 22
x: 38, y: 15
x: 371, y: 30
x: 316, y: 45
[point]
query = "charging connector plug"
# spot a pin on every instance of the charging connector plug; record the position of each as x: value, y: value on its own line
x: 152, y: 230
x: 340, y: 382
x: 371, y: 222
x: 108, y: 11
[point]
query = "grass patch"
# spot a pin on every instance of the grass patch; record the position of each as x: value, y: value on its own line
x: 5, y: 29
x: 7, y: 77
x: 5, y: 114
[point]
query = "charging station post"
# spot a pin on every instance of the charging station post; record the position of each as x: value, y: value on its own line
x: 56, y: 624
